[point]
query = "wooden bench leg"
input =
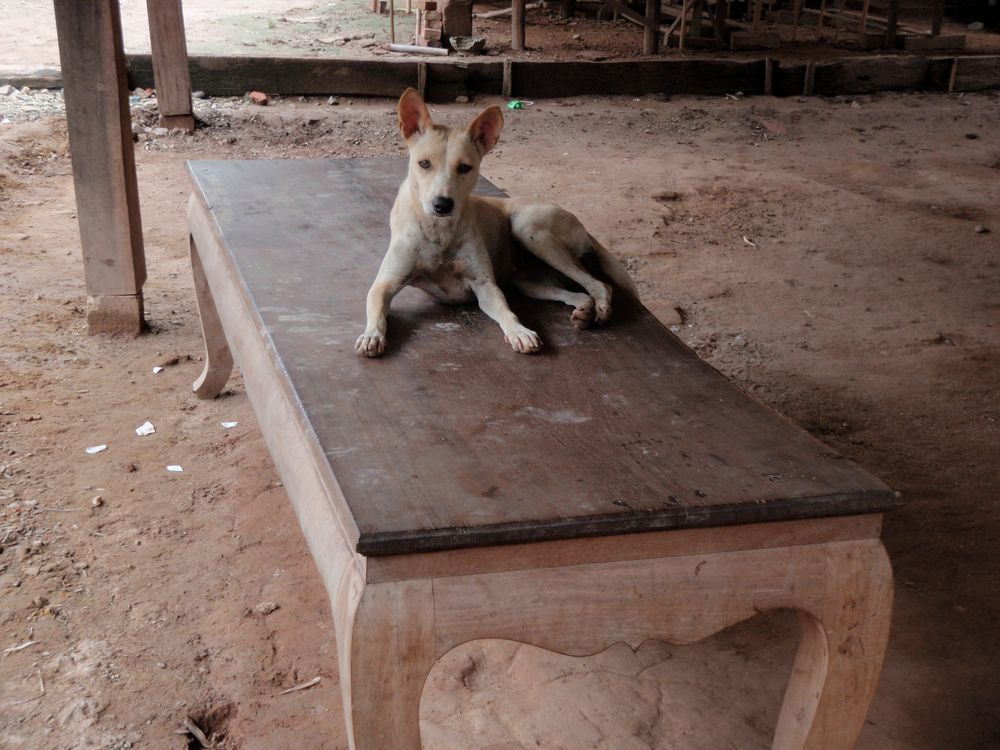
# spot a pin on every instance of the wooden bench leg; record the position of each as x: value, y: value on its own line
x: 391, y: 647
x: 840, y: 655
x: 218, y: 358
x: 843, y: 591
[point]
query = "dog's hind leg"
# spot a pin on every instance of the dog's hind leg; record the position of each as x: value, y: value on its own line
x: 583, y: 304
x: 562, y: 249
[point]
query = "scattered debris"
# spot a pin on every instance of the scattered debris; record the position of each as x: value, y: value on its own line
x: 333, y: 101
x: 229, y: 425
x: 518, y: 104
x: 96, y: 501
x: 472, y: 45
x: 157, y: 370
x: 258, y: 97
x: 303, y: 686
x: 175, y: 468
x: 195, y: 731
x: 22, y: 646
x: 146, y: 428
x: 97, y: 449
x: 266, y: 608
x: 981, y: 229
x: 750, y: 242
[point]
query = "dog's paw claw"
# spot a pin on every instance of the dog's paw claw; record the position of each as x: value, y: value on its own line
x: 370, y: 344
x: 602, y: 314
x: 524, y: 341
x: 583, y: 317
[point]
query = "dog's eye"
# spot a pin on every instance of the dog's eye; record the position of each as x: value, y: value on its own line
x: 464, y: 168
x: 424, y: 164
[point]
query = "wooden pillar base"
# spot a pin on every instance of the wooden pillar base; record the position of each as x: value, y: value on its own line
x: 184, y: 122
x: 116, y: 315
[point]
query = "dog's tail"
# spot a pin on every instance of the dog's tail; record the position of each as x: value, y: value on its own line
x: 614, y: 268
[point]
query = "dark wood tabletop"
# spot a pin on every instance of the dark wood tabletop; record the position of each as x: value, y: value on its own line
x: 453, y: 440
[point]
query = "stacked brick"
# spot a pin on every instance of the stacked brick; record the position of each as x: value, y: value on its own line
x: 440, y: 19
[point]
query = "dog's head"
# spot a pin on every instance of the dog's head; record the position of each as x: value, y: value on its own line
x: 444, y: 162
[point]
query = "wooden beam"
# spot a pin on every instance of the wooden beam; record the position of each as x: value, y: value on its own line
x: 170, y: 64
x: 651, y: 32
x: 100, y: 138
x: 892, y: 24
x: 517, y: 26
x: 937, y: 17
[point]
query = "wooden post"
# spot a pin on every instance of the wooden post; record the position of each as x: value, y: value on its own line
x: 170, y: 64
x: 937, y: 18
x: 758, y: 9
x: 517, y: 26
x: 567, y: 8
x: 392, y: 21
x: 651, y: 33
x: 683, y: 33
x: 719, y: 20
x: 100, y: 138
x: 892, y: 24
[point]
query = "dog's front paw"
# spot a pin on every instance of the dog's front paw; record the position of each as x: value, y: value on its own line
x: 583, y: 316
x: 523, y: 340
x: 370, y: 344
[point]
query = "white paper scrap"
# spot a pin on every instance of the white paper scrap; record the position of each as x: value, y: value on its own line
x: 157, y: 370
x: 229, y: 425
x: 146, y: 428
x: 97, y: 449
x: 174, y: 467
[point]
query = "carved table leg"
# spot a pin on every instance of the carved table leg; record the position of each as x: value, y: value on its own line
x: 218, y: 359
x: 840, y: 653
x: 391, y: 653
x: 842, y: 590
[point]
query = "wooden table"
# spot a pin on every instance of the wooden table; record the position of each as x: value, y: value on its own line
x: 612, y: 488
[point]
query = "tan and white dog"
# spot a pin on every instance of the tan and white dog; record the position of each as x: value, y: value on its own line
x: 457, y: 246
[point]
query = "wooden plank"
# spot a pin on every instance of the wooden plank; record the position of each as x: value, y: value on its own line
x: 892, y: 24
x: 614, y: 430
x: 234, y: 76
x: 637, y: 77
x: 641, y: 546
x: 170, y: 64
x: 447, y: 80
x: 865, y: 75
x: 978, y: 73
x: 100, y: 137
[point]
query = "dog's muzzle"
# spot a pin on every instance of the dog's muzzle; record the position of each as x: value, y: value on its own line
x: 442, y: 206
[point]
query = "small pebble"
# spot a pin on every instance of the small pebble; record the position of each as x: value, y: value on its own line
x: 97, y: 501
x: 980, y: 229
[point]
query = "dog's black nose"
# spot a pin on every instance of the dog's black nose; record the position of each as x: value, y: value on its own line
x: 442, y: 206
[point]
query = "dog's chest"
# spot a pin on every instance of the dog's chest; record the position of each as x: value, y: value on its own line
x: 444, y: 276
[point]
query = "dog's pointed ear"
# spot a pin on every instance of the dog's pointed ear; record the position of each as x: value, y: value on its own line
x: 485, y: 129
x: 413, y: 114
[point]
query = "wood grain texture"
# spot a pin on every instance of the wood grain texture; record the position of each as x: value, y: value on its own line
x: 100, y: 137
x: 170, y: 63
x: 452, y: 440
x: 234, y: 76
x: 843, y: 591
x: 978, y: 73
x: 555, y: 79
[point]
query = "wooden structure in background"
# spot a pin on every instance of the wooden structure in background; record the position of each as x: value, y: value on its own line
x: 100, y: 139
x: 173, y: 83
x: 616, y: 489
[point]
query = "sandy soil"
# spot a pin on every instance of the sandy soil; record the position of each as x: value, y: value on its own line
x: 866, y: 309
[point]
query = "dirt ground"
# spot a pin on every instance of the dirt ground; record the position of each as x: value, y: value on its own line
x: 823, y: 254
